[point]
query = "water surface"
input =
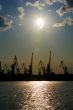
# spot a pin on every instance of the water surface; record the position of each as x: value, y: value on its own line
x: 36, y: 95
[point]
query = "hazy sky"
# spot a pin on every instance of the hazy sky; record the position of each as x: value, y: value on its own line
x: 20, y: 35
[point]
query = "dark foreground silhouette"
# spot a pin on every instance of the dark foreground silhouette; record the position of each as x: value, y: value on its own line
x: 21, y: 77
x: 45, y: 73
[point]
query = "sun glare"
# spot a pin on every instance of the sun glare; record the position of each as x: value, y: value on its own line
x: 37, y: 83
x: 40, y: 23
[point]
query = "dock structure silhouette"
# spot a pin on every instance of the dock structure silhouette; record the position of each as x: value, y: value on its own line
x: 45, y: 73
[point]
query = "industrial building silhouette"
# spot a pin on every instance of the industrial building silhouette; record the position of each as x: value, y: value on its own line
x: 44, y: 72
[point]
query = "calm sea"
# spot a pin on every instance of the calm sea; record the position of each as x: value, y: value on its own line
x: 36, y: 95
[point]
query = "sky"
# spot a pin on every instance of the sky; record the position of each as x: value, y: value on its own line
x: 20, y: 35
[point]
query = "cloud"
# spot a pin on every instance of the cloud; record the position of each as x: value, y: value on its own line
x: 66, y: 8
x: 5, y: 23
x: 37, y: 4
x: 65, y: 2
x: 60, y: 24
x: 69, y: 21
x: 50, y: 2
x: 69, y: 3
x: 0, y: 7
x: 63, y: 10
x: 66, y: 22
x: 13, y: 18
x: 21, y: 12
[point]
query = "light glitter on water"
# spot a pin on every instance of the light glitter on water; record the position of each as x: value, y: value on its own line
x: 36, y: 95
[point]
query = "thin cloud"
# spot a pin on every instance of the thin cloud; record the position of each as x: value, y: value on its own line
x: 0, y: 7
x: 5, y: 23
x: 21, y: 12
x: 66, y: 22
x: 65, y: 2
x: 50, y: 2
x: 37, y: 4
x: 60, y: 24
x: 69, y: 21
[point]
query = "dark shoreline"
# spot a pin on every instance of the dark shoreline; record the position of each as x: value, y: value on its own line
x: 21, y: 77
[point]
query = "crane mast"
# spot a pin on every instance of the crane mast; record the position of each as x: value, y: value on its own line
x: 64, y: 67
x: 31, y: 65
x: 41, y: 68
x: 24, y: 68
x: 5, y: 68
x: 14, y: 65
x: 32, y: 60
x: 49, y: 65
x: 0, y: 66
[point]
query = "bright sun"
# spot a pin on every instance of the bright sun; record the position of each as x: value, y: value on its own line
x: 40, y: 23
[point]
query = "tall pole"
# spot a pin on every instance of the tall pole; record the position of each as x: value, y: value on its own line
x: 49, y: 65
x: 50, y: 60
x: 31, y: 65
x: 0, y: 66
x: 32, y: 60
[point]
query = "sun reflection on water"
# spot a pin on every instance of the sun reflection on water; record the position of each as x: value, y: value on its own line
x: 37, y: 96
x: 33, y: 95
x: 37, y: 83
